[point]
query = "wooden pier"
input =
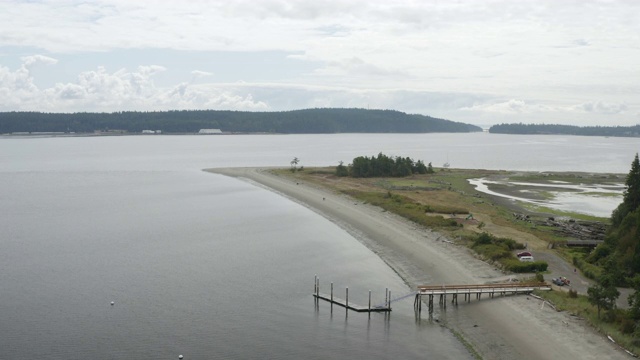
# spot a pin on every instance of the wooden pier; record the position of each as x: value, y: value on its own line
x: 386, y: 307
x: 442, y: 291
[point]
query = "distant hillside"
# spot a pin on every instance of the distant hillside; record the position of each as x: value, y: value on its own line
x: 627, y: 131
x: 310, y: 121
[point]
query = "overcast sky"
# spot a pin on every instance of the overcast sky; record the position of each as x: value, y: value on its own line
x: 481, y: 62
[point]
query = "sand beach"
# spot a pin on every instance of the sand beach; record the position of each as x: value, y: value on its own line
x: 516, y: 327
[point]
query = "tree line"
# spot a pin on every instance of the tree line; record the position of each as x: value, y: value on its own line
x: 619, y: 258
x: 383, y: 166
x: 308, y: 121
x: 544, y: 129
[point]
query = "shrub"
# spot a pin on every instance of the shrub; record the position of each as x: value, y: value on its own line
x: 483, y: 239
x: 627, y: 326
x: 492, y: 251
x: 518, y: 266
x: 573, y: 294
x: 539, y: 277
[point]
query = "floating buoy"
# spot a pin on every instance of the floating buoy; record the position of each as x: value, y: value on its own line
x: 112, y: 303
x: 180, y: 356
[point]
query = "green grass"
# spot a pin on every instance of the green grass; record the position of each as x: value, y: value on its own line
x: 404, y: 207
x: 407, y: 184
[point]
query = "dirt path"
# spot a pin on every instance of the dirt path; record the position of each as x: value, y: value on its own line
x: 502, y: 328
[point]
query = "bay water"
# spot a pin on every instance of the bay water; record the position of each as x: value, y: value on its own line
x: 208, y: 266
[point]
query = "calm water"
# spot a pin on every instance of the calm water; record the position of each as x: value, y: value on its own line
x: 211, y: 267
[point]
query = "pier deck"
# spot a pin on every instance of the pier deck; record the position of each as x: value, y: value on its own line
x: 350, y: 305
x: 491, y: 290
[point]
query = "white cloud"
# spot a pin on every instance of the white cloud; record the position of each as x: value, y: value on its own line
x: 28, y: 61
x: 601, y: 107
x: 101, y: 90
x: 516, y: 106
x: 199, y: 74
x: 513, y: 106
x: 514, y: 59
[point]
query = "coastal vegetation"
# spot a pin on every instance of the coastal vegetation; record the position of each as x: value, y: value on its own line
x: 383, y: 166
x: 619, y: 260
x: 308, y: 121
x: 500, y: 250
x: 549, y: 129
x: 445, y: 201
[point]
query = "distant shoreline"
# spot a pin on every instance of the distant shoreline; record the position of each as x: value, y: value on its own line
x: 505, y: 328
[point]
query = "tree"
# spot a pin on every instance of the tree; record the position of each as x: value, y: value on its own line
x: 634, y: 299
x: 294, y: 164
x: 342, y: 170
x: 604, y: 294
x: 631, y: 196
x: 603, y: 297
x: 632, y: 193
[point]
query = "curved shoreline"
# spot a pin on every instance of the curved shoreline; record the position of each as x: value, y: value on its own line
x: 502, y: 328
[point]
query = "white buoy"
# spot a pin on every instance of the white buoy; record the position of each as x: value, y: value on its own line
x: 112, y: 303
x: 180, y: 356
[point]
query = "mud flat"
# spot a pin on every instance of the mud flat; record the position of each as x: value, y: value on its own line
x: 518, y: 327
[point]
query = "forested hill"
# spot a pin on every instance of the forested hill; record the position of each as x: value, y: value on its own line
x: 310, y: 121
x: 628, y: 131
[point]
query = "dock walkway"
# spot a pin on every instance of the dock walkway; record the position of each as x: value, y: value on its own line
x: 491, y: 290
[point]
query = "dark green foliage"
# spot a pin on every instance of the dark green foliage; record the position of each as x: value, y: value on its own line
x: 603, y: 297
x: 492, y: 251
x: 518, y: 266
x: 573, y: 293
x: 430, y: 169
x: 604, y: 294
x: 309, y: 121
x: 634, y: 299
x: 500, y: 249
x: 483, y: 239
x: 631, y: 196
x: 627, y: 326
x: 546, y: 129
x: 620, y: 252
x: 385, y: 166
x: 539, y: 277
x: 342, y: 170
x: 599, y: 253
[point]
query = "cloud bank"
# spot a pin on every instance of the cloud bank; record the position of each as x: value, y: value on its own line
x: 478, y: 61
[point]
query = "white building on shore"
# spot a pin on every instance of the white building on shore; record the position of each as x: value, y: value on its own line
x: 210, y: 131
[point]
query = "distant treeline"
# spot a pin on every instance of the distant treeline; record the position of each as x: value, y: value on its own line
x: 628, y: 131
x: 310, y: 121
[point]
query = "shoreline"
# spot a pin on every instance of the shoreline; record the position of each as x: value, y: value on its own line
x: 500, y: 328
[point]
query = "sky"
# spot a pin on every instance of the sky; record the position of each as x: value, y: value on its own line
x: 474, y: 61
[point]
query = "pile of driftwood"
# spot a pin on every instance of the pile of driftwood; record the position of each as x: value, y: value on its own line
x: 570, y: 228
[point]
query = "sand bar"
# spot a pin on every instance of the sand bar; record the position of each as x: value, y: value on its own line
x: 518, y: 327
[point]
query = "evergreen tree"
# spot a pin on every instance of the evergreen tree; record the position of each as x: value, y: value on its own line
x: 631, y: 196
x: 632, y: 193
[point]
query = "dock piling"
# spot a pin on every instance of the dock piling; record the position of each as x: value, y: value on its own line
x: 386, y: 307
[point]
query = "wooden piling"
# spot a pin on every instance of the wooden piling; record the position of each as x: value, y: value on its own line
x: 331, y: 292
x: 347, y: 297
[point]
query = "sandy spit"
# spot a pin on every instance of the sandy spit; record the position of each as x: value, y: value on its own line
x: 516, y: 327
